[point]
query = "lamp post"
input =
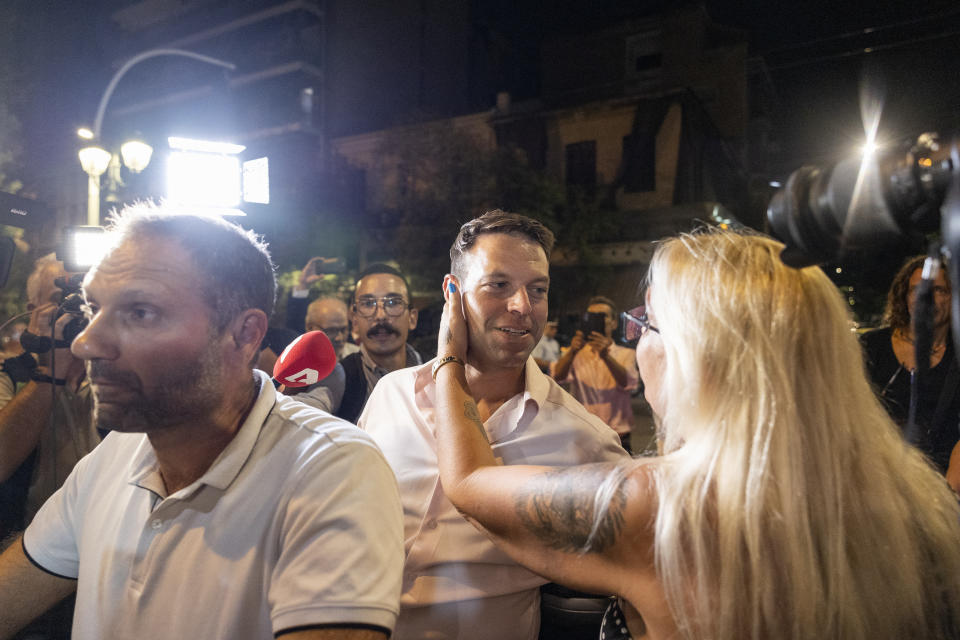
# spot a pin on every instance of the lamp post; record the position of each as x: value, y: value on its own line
x: 94, y: 161
x: 135, y: 153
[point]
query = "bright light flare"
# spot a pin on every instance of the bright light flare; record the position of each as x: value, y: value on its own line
x: 84, y: 247
x: 868, y: 208
x: 209, y: 146
x: 84, y: 133
x: 203, y: 180
x: 256, y: 181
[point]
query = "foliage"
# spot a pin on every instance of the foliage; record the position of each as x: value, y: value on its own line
x: 13, y: 296
x: 10, y: 132
x: 9, y: 149
x: 333, y: 285
x: 437, y: 177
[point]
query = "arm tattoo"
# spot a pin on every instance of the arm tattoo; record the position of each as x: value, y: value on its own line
x: 471, y: 413
x: 449, y: 337
x: 559, y: 508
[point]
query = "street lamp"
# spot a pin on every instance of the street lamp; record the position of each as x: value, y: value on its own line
x: 94, y: 161
x: 135, y: 153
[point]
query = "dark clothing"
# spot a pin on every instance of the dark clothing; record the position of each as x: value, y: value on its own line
x: 938, y: 409
x: 297, y: 313
x: 358, y: 387
x: 614, y: 625
x: 354, y: 389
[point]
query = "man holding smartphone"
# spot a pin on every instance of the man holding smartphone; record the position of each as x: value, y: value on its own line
x: 327, y: 314
x: 603, y: 375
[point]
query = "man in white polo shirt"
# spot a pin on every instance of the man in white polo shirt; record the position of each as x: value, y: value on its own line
x: 216, y: 508
x: 456, y: 584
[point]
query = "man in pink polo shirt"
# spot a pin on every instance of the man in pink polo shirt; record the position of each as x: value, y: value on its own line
x: 603, y: 375
x: 456, y: 583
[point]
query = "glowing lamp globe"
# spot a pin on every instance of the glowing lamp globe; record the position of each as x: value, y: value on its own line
x: 94, y: 160
x: 136, y: 155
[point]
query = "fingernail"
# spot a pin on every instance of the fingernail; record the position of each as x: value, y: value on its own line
x: 452, y: 288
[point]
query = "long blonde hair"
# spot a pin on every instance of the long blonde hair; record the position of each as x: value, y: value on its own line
x: 789, y: 505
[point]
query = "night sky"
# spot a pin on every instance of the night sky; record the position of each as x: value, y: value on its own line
x: 59, y: 54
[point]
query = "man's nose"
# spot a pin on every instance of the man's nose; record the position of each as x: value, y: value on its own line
x: 519, y: 301
x: 381, y: 310
x: 94, y: 342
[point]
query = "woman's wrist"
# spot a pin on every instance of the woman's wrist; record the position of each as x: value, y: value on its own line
x: 443, y: 361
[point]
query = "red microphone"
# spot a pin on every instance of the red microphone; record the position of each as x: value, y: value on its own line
x: 308, y: 359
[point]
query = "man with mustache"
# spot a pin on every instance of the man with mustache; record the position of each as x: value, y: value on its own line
x: 382, y: 317
x: 216, y: 507
x: 456, y: 584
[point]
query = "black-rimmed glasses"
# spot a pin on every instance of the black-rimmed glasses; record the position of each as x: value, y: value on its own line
x: 393, y: 306
x: 633, y: 324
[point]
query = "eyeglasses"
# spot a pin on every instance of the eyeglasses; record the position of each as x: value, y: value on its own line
x: 633, y: 324
x: 393, y: 306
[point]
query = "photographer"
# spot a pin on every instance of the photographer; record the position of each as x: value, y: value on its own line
x: 603, y: 376
x: 51, y: 413
x: 891, y: 365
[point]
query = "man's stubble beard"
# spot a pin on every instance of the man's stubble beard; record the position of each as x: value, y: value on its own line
x: 190, y: 392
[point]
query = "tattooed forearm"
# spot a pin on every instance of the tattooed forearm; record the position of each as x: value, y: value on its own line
x: 470, y: 411
x: 559, y: 507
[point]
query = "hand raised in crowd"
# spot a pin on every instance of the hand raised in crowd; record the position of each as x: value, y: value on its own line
x: 314, y: 270
x: 599, y: 343
x: 578, y: 342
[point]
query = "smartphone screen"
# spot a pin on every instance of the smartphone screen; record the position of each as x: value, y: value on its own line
x: 594, y: 322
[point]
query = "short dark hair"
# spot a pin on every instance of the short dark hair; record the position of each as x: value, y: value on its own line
x: 497, y: 221
x: 603, y: 300
x: 235, y: 269
x: 380, y: 267
x: 897, y: 314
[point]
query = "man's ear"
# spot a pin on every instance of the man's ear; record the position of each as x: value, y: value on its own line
x: 413, y: 318
x: 248, y: 330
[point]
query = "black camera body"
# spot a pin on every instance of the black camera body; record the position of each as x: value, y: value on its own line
x: 70, y: 303
x: 865, y: 204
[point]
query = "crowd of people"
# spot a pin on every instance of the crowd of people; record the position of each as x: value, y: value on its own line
x: 174, y: 491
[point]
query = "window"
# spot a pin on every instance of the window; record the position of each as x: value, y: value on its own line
x: 639, y: 163
x: 644, y: 58
x: 581, y: 160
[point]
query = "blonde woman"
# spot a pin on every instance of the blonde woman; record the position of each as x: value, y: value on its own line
x: 786, y: 504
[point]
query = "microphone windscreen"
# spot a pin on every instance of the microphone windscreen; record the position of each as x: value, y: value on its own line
x: 308, y: 359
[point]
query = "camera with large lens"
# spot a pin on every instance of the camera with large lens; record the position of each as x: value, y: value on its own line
x: 71, y: 303
x: 864, y: 205
x: 24, y: 367
x: 867, y: 203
